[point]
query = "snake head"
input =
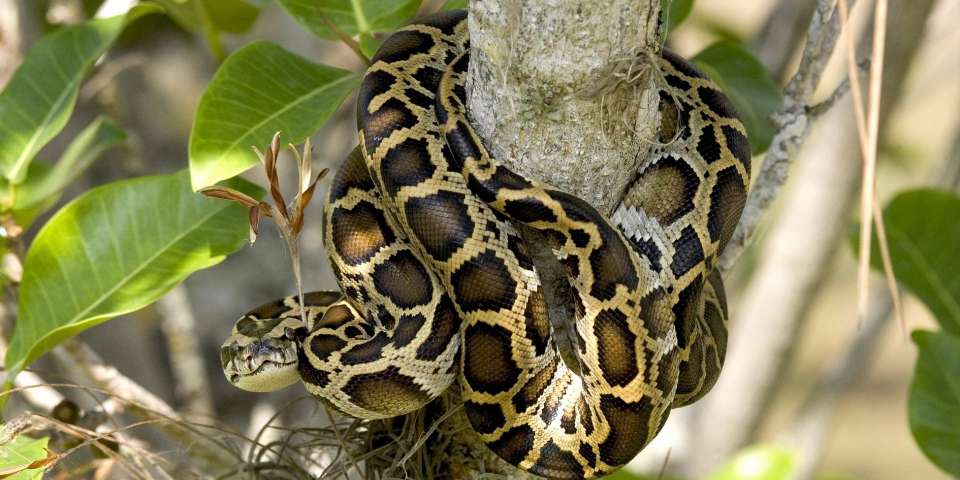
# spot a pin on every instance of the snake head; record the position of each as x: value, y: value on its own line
x: 261, y: 353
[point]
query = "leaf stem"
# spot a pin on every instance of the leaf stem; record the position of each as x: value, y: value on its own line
x: 210, y: 31
x: 345, y: 38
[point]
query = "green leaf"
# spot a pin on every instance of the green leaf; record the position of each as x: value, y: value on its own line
x: 675, y: 11
x: 259, y: 90
x: 369, y: 44
x: 934, y: 403
x: 748, y: 85
x: 455, y: 5
x: 351, y: 16
x: 89, y: 144
x: 233, y: 16
x: 759, y: 462
x: 116, y: 249
x: 41, y: 95
x: 16, y: 457
x: 923, y: 232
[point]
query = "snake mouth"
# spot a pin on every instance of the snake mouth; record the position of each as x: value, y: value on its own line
x: 260, y: 368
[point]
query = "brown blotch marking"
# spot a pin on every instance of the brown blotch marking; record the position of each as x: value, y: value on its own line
x: 485, y: 418
x: 446, y: 324
x: 488, y: 365
x: 484, y: 283
x: 537, y: 323
x: 557, y: 463
x: 615, y: 344
x: 717, y: 102
x: 630, y: 428
x: 681, y: 64
x: 388, y: 392
x: 366, y: 352
x: 407, y: 329
x: 310, y: 374
x: 665, y: 191
x: 335, y: 316
x: 726, y: 204
x: 406, y: 164
x: 551, y: 404
x: 568, y: 421
x: 352, y: 174
x: 586, y: 416
x: 440, y: 221
x: 738, y: 145
x: 254, y: 326
x: 586, y: 451
x: 404, y: 279
x: 707, y: 145
x: 322, y: 345
x: 321, y: 298
x: 528, y: 394
x: 359, y: 233
x: 611, y: 266
x: 402, y: 45
x: 689, y: 252
x: 392, y: 115
x: 514, y: 444
x: 528, y: 210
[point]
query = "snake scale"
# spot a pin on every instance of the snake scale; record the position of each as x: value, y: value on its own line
x: 438, y: 287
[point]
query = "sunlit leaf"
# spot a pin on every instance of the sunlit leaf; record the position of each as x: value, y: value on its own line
x: 259, y: 90
x: 350, y: 16
x: 40, y: 97
x: 116, y: 249
x: 761, y: 462
x: 935, y: 399
x: 748, y: 85
x: 923, y: 231
x: 16, y: 457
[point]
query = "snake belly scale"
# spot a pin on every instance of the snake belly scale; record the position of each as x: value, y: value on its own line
x: 437, y: 285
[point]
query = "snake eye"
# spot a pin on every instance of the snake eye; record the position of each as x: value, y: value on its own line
x: 291, y: 333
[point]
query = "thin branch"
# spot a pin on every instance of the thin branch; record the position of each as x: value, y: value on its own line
x: 179, y: 328
x: 794, y: 124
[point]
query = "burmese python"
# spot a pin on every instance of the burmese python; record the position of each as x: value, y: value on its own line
x: 438, y: 286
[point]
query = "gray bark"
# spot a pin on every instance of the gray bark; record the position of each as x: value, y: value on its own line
x: 559, y: 93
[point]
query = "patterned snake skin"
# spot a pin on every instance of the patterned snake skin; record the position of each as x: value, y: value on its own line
x: 437, y: 285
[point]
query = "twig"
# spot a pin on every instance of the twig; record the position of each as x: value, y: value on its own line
x: 145, y: 403
x: 346, y: 39
x: 179, y: 328
x: 794, y: 126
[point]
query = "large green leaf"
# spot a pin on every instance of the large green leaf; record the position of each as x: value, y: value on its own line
x: 923, y: 232
x: 748, y: 84
x: 234, y: 16
x: 17, y: 456
x: 259, y: 90
x: 116, y: 249
x: 761, y: 462
x: 350, y: 16
x: 41, y: 95
x: 935, y: 399
x: 454, y: 5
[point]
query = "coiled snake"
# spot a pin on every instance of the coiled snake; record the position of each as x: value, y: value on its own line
x: 437, y: 285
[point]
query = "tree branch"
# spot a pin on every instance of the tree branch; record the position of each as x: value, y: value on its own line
x: 800, y: 247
